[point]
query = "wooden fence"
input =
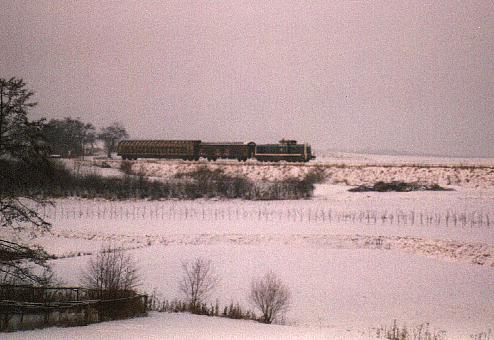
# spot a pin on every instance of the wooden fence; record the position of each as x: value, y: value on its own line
x: 27, y: 307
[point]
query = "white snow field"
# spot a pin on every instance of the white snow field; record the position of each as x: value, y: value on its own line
x: 186, y: 327
x: 353, y: 261
x: 348, y: 169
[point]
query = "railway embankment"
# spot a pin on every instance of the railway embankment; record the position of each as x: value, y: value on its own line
x: 471, y: 176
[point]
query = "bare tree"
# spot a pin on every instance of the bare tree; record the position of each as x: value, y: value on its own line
x: 270, y: 296
x: 199, y: 280
x: 111, y: 270
x: 111, y: 135
x: 21, y: 145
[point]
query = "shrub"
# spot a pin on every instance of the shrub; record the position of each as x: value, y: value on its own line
x: 315, y: 175
x: 398, y: 187
x: 126, y: 167
x: 198, y: 281
x: 231, y: 311
x: 270, y: 296
x: 112, y: 270
x: 53, y: 179
x: 420, y: 332
x: 483, y: 335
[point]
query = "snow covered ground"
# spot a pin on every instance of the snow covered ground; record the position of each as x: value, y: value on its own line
x: 349, y: 158
x: 186, y: 327
x: 354, y: 170
x: 353, y: 261
x: 348, y: 267
x: 340, y: 289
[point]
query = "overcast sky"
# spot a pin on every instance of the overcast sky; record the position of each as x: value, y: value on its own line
x: 411, y: 76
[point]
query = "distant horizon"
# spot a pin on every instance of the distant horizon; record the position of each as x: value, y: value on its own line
x: 397, y: 153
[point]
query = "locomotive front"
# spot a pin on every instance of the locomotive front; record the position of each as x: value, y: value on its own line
x: 285, y: 150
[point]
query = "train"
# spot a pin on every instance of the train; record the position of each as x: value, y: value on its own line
x: 233, y: 150
x: 193, y: 150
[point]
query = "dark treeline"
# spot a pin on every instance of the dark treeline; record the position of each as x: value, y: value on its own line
x: 70, y: 137
x: 51, y: 179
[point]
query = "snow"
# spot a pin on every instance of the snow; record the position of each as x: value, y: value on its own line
x: 348, y: 171
x: 348, y: 158
x: 333, y: 211
x: 185, y: 327
x: 354, y: 289
x: 353, y: 261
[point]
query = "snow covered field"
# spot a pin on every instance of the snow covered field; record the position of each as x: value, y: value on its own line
x: 347, y: 158
x: 340, y: 168
x: 186, y: 327
x: 353, y: 261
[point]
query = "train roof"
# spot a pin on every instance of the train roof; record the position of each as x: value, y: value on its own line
x: 159, y: 141
x: 223, y: 143
x: 284, y: 144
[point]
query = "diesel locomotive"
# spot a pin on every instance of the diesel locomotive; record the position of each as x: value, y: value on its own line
x: 285, y: 150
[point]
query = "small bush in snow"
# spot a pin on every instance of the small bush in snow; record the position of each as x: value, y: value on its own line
x: 398, y: 187
x: 316, y: 175
x: 231, y: 311
x: 488, y: 335
x: 126, y: 167
x: 112, y: 270
x: 270, y: 296
x: 198, y: 281
x: 420, y: 332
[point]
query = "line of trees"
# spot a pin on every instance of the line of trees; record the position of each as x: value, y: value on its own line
x: 70, y: 137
